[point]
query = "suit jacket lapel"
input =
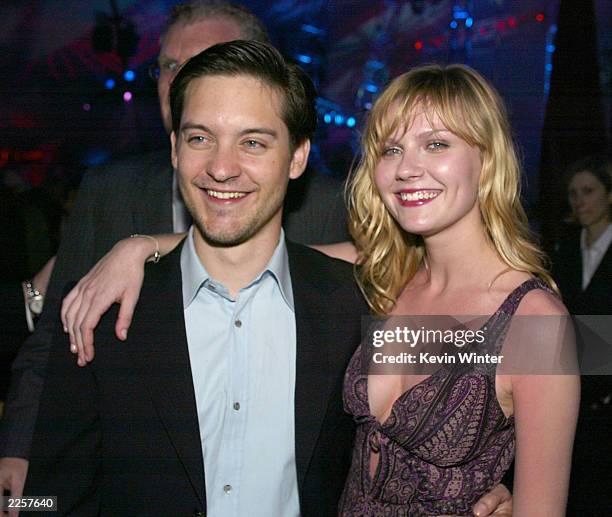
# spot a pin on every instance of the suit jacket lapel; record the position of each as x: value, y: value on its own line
x: 314, y: 357
x: 156, y: 180
x: 163, y: 357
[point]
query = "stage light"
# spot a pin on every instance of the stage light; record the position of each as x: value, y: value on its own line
x: 109, y: 84
x: 129, y: 75
x: 303, y: 58
x: 327, y: 118
x: 550, y: 47
x: 307, y: 27
x: 469, y: 22
x: 372, y: 88
x: 418, y: 45
x: 549, y: 67
x: 350, y: 122
x: 87, y: 106
x: 127, y: 96
x: 539, y: 17
x: 339, y: 120
x: 454, y: 24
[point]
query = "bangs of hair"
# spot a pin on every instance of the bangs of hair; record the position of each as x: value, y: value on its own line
x: 460, y: 107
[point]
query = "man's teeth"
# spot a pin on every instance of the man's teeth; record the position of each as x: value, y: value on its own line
x: 225, y: 195
x: 416, y: 196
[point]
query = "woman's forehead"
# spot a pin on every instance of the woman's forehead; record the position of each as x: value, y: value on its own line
x: 584, y: 177
x: 400, y: 118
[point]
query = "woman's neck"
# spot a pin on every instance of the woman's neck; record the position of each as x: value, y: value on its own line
x: 460, y: 259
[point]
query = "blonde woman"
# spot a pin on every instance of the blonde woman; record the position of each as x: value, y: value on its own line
x: 438, y: 229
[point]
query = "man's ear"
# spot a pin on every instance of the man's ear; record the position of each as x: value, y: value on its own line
x: 299, y: 160
x: 173, y: 144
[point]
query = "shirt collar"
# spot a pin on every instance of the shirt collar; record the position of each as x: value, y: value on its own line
x: 194, y: 274
x: 600, y: 245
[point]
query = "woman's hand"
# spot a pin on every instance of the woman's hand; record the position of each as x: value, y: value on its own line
x: 116, y: 278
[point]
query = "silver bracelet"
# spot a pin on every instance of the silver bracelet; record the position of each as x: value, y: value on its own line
x: 156, y: 256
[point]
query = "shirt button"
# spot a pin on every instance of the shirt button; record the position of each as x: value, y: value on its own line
x: 238, y: 323
x: 237, y: 406
x: 227, y: 488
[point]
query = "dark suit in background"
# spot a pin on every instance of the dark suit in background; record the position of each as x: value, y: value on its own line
x: 590, y: 491
x: 567, y: 272
x: 121, y: 436
x: 114, y: 201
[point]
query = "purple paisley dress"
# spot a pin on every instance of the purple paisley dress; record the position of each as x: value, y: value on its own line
x: 445, y: 443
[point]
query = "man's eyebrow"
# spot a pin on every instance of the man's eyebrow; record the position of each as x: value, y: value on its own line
x: 165, y: 61
x: 248, y: 131
x: 190, y: 125
x: 261, y: 130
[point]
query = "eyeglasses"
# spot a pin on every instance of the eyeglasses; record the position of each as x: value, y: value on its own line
x: 158, y: 69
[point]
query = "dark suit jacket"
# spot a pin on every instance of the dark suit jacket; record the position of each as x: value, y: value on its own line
x: 125, y: 197
x: 590, y: 491
x: 121, y: 436
x: 567, y: 272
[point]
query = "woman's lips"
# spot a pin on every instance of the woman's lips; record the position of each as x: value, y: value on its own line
x: 417, y: 197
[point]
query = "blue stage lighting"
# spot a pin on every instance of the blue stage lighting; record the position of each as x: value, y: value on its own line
x: 109, y: 84
x: 303, y: 58
x: 129, y: 75
x: 350, y: 122
x: 307, y: 27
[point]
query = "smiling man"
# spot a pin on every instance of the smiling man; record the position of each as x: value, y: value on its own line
x: 226, y: 398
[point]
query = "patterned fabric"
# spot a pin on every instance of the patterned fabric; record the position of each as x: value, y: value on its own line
x: 445, y: 443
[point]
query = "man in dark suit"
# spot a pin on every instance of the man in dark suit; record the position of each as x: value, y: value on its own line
x: 134, y: 433
x: 139, y: 195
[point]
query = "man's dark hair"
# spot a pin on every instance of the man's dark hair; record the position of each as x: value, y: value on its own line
x: 260, y: 61
x: 250, y: 26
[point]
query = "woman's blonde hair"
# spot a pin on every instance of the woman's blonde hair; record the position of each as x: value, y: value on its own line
x: 471, y: 109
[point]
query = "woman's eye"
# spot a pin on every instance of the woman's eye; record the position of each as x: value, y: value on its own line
x: 392, y: 151
x: 436, y: 146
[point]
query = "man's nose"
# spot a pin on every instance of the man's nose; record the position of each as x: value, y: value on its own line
x: 223, y: 164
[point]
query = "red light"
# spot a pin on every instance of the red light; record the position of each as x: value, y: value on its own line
x: 33, y: 156
x: 512, y: 22
x: 418, y: 45
x: 501, y: 26
x: 483, y: 31
x: 539, y: 17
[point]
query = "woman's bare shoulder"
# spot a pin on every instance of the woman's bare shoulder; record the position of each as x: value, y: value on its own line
x: 539, y: 302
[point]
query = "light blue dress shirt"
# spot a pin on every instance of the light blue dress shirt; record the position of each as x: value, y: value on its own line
x: 242, y: 353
